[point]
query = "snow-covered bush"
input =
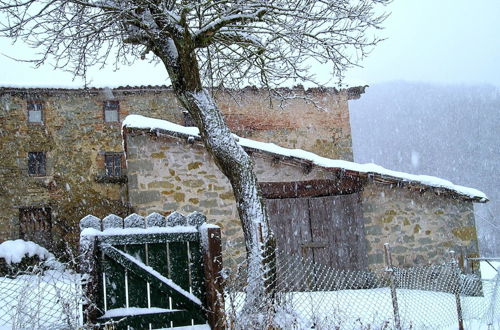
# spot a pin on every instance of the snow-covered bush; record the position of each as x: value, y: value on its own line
x: 37, y: 291
x: 18, y: 255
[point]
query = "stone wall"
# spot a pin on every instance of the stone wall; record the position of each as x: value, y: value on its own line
x: 75, y: 138
x: 313, y: 120
x: 168, y: 173
x: 421, y: 227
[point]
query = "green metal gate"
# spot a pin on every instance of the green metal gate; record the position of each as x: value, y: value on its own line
x: 153, y: 272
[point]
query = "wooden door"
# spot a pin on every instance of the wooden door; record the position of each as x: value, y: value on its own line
x: 35, y: 224
x: 328, y: 229
x: 337, y: 222
x: 290, y: 223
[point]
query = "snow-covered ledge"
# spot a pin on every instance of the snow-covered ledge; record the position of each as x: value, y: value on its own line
x: 370, y: 170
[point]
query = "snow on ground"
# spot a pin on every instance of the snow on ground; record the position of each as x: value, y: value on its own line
x: 372, y: 309
x: 34, y: 302
x: 137, y: 121
x: 43, y: 301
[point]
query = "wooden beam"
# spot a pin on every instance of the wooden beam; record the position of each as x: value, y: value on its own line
x: 310, y: 188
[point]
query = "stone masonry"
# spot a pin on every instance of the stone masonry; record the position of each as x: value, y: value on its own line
x: 168, y: 173
x: 75, y: 138
x: 420, y: 226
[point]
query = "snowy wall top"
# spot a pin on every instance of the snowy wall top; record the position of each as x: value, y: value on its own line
x: 372, y: 171
x: 353, y: 92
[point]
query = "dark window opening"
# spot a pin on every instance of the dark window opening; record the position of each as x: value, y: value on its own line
x: 37, y: 164
x: 35, y: 112
x: 113, y: 163
x: 188, y: 120
x: 35, y: 224
x: 111, y: 110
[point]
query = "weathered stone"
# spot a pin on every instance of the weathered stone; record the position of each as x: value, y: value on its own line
x: 194, y: 165
x: 144, y: 197
x: 139, y: 166
x: 191, y: 208
x: 220, y: 211
x: 425, y: 240
x: 179, y: 197
x: 466, y: 233
x: 208, y: 203
x: 160, y: 184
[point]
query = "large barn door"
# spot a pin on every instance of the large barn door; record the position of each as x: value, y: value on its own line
x: 289, y: 219
x: 336, y: 222
x: 328, y: 229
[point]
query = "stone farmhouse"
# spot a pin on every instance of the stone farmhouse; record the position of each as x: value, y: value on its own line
x: 61, y: 154
x: 62, y: 157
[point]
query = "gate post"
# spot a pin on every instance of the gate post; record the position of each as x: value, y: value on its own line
x: 212, y: 267
x: 89, y: 265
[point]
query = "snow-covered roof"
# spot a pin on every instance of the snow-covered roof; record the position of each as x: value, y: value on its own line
x: 373, y: 171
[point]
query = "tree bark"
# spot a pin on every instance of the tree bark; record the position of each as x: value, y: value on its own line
x: 231, y: 159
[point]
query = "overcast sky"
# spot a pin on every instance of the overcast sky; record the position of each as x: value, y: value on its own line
x: 442, y: 41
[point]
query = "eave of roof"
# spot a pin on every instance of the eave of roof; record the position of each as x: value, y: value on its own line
x: 370, y: 171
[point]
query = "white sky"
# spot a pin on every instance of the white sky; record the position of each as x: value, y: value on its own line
x: 441, y: 41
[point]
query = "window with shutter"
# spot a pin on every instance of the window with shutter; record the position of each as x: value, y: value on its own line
x: 111, y: 111
x: 37, y: 164
x: 113, y: 164
x: 35, y: 112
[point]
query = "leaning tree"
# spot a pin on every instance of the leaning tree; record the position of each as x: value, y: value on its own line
x: 205, y: 43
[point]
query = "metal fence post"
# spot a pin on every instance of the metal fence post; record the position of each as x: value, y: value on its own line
x: 390, y: 271
x: 456, y: 274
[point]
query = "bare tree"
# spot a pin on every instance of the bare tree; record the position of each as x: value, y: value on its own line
x: 205, y: 43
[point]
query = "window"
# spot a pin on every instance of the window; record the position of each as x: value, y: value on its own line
x: 188, y: 120
x: 111, y: 110
x: 113, y: 163
x: 35, y: 224
x: 35, y: 112
x: 36, y: 164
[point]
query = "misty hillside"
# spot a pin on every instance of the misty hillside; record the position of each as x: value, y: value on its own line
x: 451, y: 132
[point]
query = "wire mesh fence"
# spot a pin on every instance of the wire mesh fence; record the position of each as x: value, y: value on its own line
x: 307, y: 295
x: 304, y: 295
x: 43, y: 296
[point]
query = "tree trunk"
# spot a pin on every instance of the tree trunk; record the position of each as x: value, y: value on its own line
x: 232, y: 160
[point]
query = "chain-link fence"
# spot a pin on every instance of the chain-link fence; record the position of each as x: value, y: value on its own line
x: 308, y: 295
x: 44, y: 296
x: 305, y: 295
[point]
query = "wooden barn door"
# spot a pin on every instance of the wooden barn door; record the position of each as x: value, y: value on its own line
x: 328, y: 229
x: 35, y: 224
